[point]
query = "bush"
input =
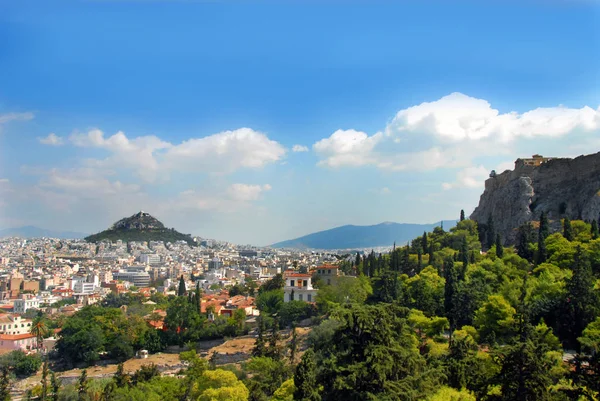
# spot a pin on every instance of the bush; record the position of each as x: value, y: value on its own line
x: 23, y: 365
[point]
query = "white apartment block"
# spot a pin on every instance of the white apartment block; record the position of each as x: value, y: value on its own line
x: 27, y: 301
x: 14, y: 324
x: 298, y: 287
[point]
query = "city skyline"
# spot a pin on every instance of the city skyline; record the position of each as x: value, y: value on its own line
x: 258, y: 124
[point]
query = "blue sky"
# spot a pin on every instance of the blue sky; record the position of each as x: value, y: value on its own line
x: 191, y: 110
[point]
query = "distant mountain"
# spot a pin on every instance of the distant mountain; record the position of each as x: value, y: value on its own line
x: 36, y: 232
x: 354, y: 237
x: 140, y: 227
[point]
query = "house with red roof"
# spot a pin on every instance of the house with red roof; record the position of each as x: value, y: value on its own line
x: 298, y: 287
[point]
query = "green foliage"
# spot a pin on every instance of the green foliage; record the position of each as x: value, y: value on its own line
x: 450, y: 394
x: 270, y: 302
x: 344, y: 290
x: 494, y: 320
x: 295, y: 311
x: 166, y: 235
x: 305, y: 379
x: 21, y: 364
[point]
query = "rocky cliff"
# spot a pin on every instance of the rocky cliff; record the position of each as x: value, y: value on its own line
x: 560, y: 187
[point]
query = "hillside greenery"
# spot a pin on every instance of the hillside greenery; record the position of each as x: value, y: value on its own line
x: 435, y: 319
x: 126, y: 235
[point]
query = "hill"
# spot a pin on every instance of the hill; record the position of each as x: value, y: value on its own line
x: 559, y: 187
x: 140, y: 227
x: 36, y: 232
x: 350, y: 236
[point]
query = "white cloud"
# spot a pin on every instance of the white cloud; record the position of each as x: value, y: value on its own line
x: 52, y: 139
x: 457, y: 117
x: 85, y: 183
x: 450, y: 133
x: 4, y: 180
x: 347, y: 148
x: 299, y: 148
x: 475, y: 176
x: 224, y: 152
x: 245, y: 192
x: 8, y: 117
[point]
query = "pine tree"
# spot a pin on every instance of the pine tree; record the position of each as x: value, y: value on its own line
x: 44, y: 381
x: 82, y: 386
x: 4, y: 384
x: 499, y: 247
x: 55, y: 384
x: 305, y: 378
x: 181, y: 289
x: 567, y: 229
x: 595, y: 231
x: 462, y: 215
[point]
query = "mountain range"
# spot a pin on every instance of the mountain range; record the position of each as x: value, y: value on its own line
x: 36, y: 232
x: 357, y: 237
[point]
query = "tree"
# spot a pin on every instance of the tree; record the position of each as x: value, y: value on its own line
x: 82, y: 386
x: 39, y: 330
x: 357, y: 261
x: 274, y: 349
x: 450, y: 292
x: 4, y: 384
x: 544, y: 230
x: 464, y: 253
x: 44, y: 381
x: 55, y: 383
x: 121, y: 378
x: 567, y: 229
x: 495, y: 318
x: 424, y: 243
x: 595, y: 232
x: 221, y: 385
x: 525, y: 237
x: 499, y: 247
x: 305, y: 378
x: 462, y: 215
x: 181, y: 289
x: 581, y: 306
x: 542, y: 252
x: 490, y: 232
x: 293, y: 345
x: 590, y: 345
x: 260, y: 348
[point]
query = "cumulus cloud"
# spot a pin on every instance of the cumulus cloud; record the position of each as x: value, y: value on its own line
x: 52, y: 139
x: 299, y: 148
x: 224, y: 152
x: 457, y: 117
x: 347, y: 148
x: 450, y: 133
x: 475, y: 176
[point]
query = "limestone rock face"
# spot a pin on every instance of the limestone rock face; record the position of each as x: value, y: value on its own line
x: 560, y: 187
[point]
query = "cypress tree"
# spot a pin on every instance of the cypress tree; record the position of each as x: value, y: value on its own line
x: 44, y: 381
x: 450, y: 292
x: 490, y: 232
x: 544, y: 225
x: 357, y: 262
x: 260, y: 348
x: 198, y: 298
x: 424, y: 243
x: 464, y: 252
x: 55, y: 384
x: 499, y: 247
x: 274, y: 351
x: 293, y: 345
x: 525, y: 237
x: 120, y: 378
x: 305, y: 378
x: 431, y: 254
x: 542, y: 254
x: 567, y: 229
x: 181, y: 289
x: 82, y: 386
x: 595, y: 231
x: 462, y: 215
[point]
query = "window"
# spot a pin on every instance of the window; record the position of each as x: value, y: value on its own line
x: 305, y: 284
x: 292, y: 283
x: 309, y: 298
x: 299, y: 297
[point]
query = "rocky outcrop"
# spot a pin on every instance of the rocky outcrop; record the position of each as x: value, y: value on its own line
x: 560, y: 187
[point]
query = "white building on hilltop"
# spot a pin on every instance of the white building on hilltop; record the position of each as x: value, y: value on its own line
x: 298, y: 287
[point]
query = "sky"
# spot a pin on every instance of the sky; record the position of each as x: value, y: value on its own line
x: 260, y: 121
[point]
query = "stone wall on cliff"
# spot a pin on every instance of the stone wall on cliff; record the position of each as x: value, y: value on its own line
x: 560, y: 187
